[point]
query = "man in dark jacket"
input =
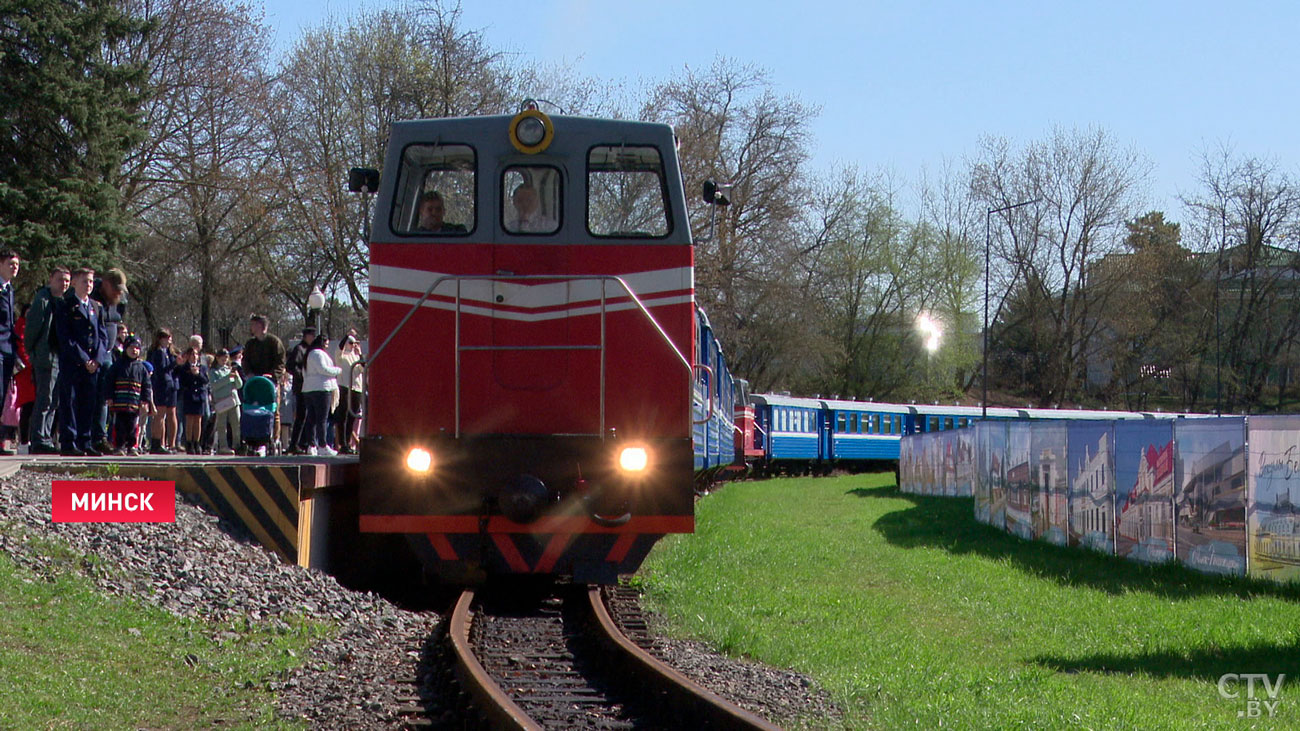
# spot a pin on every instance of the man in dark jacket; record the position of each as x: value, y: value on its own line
x: 9, y: 335
x: 41, y: 346
x: 264, y: 356
x: 297, y: 367
x: 82, y: 346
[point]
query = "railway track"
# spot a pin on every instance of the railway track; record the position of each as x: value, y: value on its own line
x: 559, y: 661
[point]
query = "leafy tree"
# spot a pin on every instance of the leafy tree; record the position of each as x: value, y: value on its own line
x: 1157, y: 321
x: 68, y: 115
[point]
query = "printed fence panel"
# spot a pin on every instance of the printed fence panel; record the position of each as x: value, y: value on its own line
x: 966, y: 462
x: 1048, y: 445
x: 1210, y: 500
x: 929, y: 458
x: 1144, y: 490
x: 939, y: 459
x: 948, y: 449
x: 997, y: 441
x: 1273, y: 512
x: 981, y: 482
x: 1019, y: 482
x: 904, y: 458
x: 1092, y: 486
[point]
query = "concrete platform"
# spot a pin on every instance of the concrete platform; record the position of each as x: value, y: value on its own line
x: 287, y: 503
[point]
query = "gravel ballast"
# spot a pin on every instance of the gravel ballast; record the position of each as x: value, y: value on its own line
x: 204, y: 568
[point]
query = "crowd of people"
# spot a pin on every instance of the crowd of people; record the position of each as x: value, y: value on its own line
x: 77, y: 382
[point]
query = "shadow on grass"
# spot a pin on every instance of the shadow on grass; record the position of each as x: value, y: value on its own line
x: 949, y: 523
x: 1208, y: 664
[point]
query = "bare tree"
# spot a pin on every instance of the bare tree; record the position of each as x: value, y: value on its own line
x: 1088, y: 188
x: 199, y: 185
x: 1246, y: 221
x: 339, y: 93
x: 734, y: 129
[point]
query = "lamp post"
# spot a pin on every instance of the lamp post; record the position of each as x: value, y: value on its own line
x: 315, y: 303
x: 984, y: 377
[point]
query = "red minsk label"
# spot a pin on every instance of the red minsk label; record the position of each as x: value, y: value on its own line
x: 113, y: 501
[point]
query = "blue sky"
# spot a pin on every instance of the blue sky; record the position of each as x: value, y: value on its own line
x: 903, y: 86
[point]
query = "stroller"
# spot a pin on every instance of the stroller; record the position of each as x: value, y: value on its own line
x: 257, y: 418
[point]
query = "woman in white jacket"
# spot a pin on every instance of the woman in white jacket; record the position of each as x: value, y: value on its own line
x: 319, y: 382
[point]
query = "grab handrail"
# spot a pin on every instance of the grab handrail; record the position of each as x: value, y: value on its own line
x: 605, y: 279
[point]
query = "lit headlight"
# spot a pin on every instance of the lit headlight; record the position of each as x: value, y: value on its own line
x: 419, y: 460
x: 633, y: 459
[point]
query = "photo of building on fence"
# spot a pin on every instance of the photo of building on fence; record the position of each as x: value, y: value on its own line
x: 1020, y: 488
x: 1210, y: 501
x: 1218, y: 494
x: 1273, y: 498
x: 1047, y: 460
x: 1091, y: 496
x: 1144, y: 491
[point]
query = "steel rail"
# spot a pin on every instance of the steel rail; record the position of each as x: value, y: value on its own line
x: 490, y: 698
x: 706, y: 708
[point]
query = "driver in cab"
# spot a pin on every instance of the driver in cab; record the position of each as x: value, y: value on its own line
x: 432, y: 211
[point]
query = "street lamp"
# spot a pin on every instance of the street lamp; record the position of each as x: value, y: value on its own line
x: 315, y: 303
x: 984, y: 378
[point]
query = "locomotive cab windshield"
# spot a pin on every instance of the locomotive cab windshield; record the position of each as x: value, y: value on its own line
x: 626, y: 192
x: 531, y: 199
x: 435, y: 190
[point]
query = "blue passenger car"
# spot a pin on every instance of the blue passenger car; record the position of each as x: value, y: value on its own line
x: 793, y: 431
x: 713, y: 406
x: 805, y: 435
x: 865, y: 431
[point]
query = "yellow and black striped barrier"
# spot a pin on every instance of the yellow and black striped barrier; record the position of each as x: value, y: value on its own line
x: 274, y: 502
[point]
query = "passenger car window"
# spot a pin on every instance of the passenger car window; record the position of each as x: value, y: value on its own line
x: 626, y: 197
x: 435, y: 191
x: 530, y: 199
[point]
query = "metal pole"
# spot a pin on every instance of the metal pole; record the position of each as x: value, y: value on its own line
x: 984, y: 377
x: 984, y: 374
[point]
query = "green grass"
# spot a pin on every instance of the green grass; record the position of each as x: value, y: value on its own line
x: 911, y: 614
x: 71, y: 657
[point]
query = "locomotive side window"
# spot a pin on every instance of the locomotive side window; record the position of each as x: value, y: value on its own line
x: 530, y: 199
x: 435, y: 191
x: 626, y: 194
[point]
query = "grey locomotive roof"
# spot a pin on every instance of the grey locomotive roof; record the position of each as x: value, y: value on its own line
x: 489, y: 136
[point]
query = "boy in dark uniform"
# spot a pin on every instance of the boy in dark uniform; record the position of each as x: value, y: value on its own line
x: 78, y: 326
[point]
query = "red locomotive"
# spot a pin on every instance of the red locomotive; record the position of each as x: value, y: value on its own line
x: 533, y: 326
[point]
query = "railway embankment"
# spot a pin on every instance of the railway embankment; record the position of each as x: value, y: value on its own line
x: 358, y: 652
x: 204, y: 569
